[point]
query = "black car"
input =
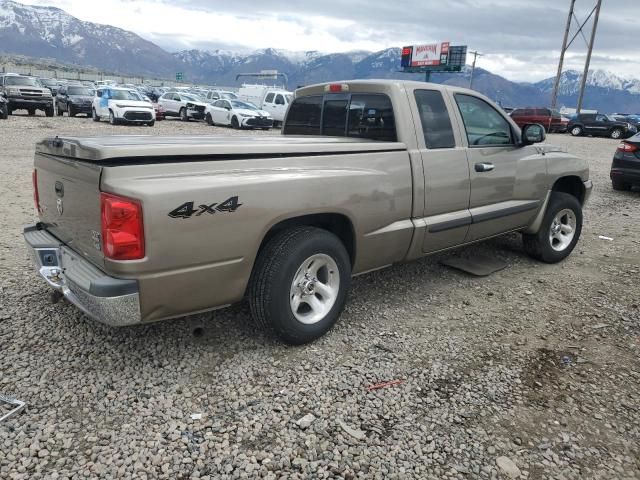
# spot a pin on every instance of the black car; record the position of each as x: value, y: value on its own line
x: 74, y: 99
x: 4, y: 108
x: 598, y: 124
x: 625, y: 168
x: 50, y: 83
x: 632, y: 119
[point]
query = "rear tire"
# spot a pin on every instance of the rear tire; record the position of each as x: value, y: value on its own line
x: 4, y: 113
x: 183, y: 115
x: 31, y: 111
x: 49, y: 112
x: 616, y: 134
x: 59, y: 111
x: 71, y: 112
x: 559, y: 232
x: 151, y: 123
x: 620, y: 185
x: 94, y: 115
x: 304, y: 266
x: 576, y: 131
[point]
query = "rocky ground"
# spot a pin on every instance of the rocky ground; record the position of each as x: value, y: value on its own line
x: 532, y: 372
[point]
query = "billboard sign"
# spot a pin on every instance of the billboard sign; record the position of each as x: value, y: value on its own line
x: 431, y: 55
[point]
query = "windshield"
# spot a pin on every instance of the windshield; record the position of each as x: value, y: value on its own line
x: 48, y: 83
x: 243, y: 105
x: 126, y: 95
x: 79, y: 91
x: 190, y: 96
x: 24, y: 81
x: 229, y: 95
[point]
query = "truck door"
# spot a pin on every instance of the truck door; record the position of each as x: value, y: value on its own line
x: 506, y: 185
x: 446, y: 173
x: 279, y: 108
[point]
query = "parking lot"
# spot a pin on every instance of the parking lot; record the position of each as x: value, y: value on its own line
x: 531, y: 372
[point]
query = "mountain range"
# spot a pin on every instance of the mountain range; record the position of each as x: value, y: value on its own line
x: 49, y: 32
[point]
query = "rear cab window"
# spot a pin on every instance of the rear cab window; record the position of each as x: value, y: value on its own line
x: 344, y: 115
x: 434, y: 117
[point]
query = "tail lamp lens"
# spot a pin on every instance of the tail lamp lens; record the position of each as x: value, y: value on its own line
x: 36, y: 195
x: 627, y: 147
x: 122, y: 227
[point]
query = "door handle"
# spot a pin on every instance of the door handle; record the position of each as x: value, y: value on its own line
x: 484, y: 167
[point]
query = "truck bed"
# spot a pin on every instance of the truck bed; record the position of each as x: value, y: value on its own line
x: 131, y: 149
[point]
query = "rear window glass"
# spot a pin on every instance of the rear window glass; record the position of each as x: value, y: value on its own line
x: 304, y: 116
x: 269, y: 98
x: 434, y: 117
x: 364, y: 116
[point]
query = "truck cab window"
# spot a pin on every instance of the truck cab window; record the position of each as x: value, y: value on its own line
x: 304, y: 116
x: 334, y: 117
x: 434, y: 117
x: 371, y: 116
x: 483, y: 124
x: 279, y: 100
x: 269, y: 97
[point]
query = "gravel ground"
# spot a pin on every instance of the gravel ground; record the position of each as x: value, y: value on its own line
x: 532, y: 372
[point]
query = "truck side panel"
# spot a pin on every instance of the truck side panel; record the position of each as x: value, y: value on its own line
x: 201, y: 256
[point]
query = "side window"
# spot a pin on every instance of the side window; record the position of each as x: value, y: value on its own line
x: 269, y: 97
x: 371, y: 116
x: 176, y: 97
x: 217, y: 104
x: 483, y: 124
x: 434, y: 117
x: 279, y: 100
x: 304, y: 116
x: 99, y: 93
x: 601, y: 118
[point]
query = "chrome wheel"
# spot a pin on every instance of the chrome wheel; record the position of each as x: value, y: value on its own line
x: 576, y: 131
x: 314, y: 289
x: 616, y: 134
x: 563, y: 229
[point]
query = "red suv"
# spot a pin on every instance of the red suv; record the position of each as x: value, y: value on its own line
x: 551, y: 120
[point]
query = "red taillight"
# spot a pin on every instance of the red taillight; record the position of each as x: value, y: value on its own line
x: 336, y: 87
x: 627, y: 147
x: 36, y: 196
x: 122, y: 227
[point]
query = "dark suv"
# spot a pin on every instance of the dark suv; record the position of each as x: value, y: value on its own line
x: 26, y: 93
x: 551, y: 120
x: 74, y: 99
x: 600, y: 125
x: 4, y: 108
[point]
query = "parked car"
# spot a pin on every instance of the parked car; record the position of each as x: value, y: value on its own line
x: 551, y: 120
x: 184, y: 105
x: 4, y: 108
x: 274, y: 100
x: 74, y: 99
x: 625, y: 168
x: 632, y: 119
x: 237, y: 114
x: 50, y: 83
x: 145, y: 228
x: 121, y: 105
x: 159, y: 111
x: 600, y: 125
x: 26, y: 93
x: 213, y: 95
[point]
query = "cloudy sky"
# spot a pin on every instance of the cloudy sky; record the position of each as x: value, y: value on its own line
x: 520, y: 39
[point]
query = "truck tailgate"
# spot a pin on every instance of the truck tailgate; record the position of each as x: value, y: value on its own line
x: 69, y: 198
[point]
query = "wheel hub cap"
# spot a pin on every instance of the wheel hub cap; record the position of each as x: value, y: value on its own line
x: 562, y: 230
x: 314, y: 289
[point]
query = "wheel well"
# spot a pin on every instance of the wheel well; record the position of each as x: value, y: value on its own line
x: 338, y: 224
x: 572, y: 185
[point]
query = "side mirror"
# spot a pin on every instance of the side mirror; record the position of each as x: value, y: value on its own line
x: 533, y: 133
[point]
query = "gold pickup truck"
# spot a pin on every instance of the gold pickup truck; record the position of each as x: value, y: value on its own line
x: 136, y: 229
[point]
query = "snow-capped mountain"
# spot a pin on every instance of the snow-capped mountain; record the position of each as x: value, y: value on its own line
x: 570, y: 82
x: 48, y: 32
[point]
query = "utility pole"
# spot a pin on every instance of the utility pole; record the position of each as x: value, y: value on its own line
x: 473, y: 66
x: 556, y: 85
x: 583, y: 81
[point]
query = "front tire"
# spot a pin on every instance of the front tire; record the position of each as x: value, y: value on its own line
x: 4, y: 113
x: 209, y: 120
x: 616, y: 134
x: 183, y: 115
x: 576, y: 131
x: 151, y: 123
x: 234, y: 123
x: 71, y: 112
x: 112, y: 118
x: 94, y: 115
x: 31, y: 111
x: 559, y: 231
x: 49, y: 112
x: 299, y: 284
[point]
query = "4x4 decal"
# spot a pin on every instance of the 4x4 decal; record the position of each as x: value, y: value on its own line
x: 187, y: 210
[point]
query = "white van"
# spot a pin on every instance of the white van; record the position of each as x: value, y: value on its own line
x: 271, y: 99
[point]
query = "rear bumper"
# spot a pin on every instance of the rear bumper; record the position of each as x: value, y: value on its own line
x: 112, y: 301
x: 631, y: 175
